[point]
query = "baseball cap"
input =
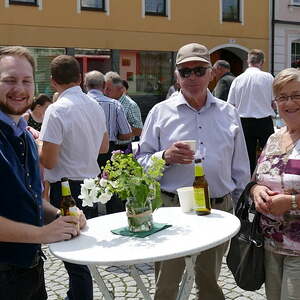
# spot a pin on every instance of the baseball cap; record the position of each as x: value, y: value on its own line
x: 192, y: 52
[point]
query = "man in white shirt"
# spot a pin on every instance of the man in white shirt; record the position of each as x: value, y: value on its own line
x: 73, y: 134
x: 195, y: 114
x: 251, y: 93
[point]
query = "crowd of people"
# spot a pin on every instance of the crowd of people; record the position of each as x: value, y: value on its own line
x: 78, y: 130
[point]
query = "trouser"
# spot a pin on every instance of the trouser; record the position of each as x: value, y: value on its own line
x: 80, y: 279
x: 168, y: 274
x: 282, y: 276
x: 256, y: 132
x: 23, y: 283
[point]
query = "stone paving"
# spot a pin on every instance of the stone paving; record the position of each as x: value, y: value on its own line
x: 124, y: 287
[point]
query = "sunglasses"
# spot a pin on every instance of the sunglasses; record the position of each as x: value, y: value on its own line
x: 198, y: 71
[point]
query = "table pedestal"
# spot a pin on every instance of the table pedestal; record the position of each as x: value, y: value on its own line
x: 184, y: 289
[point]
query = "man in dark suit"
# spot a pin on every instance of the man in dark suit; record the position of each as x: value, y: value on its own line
x: 222, y: 73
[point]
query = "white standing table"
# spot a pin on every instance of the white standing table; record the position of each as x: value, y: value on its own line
x: 189, y: 235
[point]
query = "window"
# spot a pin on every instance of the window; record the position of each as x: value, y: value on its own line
x: 231, y: 10
x: 24, y: 2
x: 155, y: 7
x: 93, y: 5
x: 295, y: 2
x: 295, y: 55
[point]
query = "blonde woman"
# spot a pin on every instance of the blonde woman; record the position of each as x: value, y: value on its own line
x: 277, y: 193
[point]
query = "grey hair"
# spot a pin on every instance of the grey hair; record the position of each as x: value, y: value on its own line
x: 256, y: 57
x: 94, y: 80
x: 114, y: 77
x: 222, y: 63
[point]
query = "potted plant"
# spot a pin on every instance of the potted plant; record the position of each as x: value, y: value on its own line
x: 124, y: 176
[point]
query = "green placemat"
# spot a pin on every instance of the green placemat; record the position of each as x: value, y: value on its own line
x: 125, y: 231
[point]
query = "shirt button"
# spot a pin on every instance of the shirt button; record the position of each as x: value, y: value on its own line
x: 27, y: 174
x: 22, y: 153
x: 35, y: 195
x: 30, y: 185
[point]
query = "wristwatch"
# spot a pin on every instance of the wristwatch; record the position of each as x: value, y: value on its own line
x: 294, y: 204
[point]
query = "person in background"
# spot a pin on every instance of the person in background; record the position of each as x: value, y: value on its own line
x: 35, y: 116
x: 194, y: 114
x: 116, y: 123
x: 251, y: 94
x: 277, y: 193
x: 23, y: 213
x: 114, y: 89
x: 173, y: 90
x: 73, y: 134
x: 221, y: 70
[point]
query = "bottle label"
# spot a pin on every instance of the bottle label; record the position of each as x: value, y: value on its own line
x: 65, y: 189
x: 73, y: 211
x: 199, y: 170
x: 199, y: 196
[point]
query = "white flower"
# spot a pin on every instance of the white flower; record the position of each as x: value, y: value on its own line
x: 104, y: 197
x: 89, y: 183
x: 103, y: 182
x: 275, y: 160
x: 114, y: 184
x: 87, y: 200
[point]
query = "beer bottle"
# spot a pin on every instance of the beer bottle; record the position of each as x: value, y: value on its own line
x: 201, y: 191
x: 67, y: 204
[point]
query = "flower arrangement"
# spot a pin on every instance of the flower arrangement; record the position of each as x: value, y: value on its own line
x: 124, y: 176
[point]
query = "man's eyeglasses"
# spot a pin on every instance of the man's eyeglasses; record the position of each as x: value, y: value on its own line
x: 198, y: 71
x: 284, y: 99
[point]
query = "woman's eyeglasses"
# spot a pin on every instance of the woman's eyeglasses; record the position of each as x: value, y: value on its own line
x: 284, y: 99
x: 187, y: 72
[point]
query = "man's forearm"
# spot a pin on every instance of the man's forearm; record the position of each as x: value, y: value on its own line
x: 50, y: 211
x: 17, y: 232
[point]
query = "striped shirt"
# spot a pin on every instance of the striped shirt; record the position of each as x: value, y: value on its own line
x: 116, y: 122
x: 132, y: 112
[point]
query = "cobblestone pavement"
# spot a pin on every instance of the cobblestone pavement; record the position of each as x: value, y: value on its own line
x: 124, y: 287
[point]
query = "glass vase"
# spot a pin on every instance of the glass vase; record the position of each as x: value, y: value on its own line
x: 139, y: 216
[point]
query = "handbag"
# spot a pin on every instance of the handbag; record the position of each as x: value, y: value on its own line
x: 245, y: 258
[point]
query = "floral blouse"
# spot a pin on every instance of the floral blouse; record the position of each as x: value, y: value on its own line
x: 280, y: 171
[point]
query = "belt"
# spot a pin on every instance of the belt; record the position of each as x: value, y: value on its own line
x: 218, y: 200
x: 35, y: 262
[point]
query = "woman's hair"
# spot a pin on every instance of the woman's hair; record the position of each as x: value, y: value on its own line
x: 284, y: 77
x: 41, y: 99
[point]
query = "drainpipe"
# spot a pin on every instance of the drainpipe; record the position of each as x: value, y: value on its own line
x: 272, y: 36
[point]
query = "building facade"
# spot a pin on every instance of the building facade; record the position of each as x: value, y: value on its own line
x: 137, y: 38
x: 285, y: 36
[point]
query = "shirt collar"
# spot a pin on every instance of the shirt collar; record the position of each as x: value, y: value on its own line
x: 180, y: 100
x: 19, y: 128
x: 73, y: 89
x: 95, y: 92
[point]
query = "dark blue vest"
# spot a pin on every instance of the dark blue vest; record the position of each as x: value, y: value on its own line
x: 20, y: 191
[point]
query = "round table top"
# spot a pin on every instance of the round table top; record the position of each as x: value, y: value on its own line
x: 189, y: 234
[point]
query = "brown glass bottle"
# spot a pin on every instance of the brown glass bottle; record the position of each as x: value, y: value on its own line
x: 201, y: 190
x: 67, y: 203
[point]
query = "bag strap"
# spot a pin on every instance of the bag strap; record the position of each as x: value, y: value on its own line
x: 243, y: 206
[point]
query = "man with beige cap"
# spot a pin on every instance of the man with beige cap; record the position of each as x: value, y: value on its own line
x: 195, y: 114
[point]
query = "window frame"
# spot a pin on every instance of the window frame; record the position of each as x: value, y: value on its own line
x: 233, y: 20
x: 295, y: 3
x: 160, y: 14
x: 18, y: 2
x: 84, y: 8
x: 294, y: 54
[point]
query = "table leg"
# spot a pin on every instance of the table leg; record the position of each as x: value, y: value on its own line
x: 187, y: 279
x: 139, y: 282
x: 102, y: 286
